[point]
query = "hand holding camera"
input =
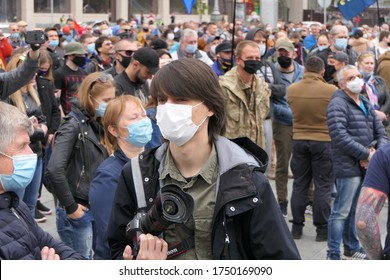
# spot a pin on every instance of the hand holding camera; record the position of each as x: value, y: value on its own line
x: 151, y: 248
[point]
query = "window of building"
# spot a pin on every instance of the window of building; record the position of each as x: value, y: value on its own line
x: 44, y: 6
x: 141, y: 7
x: 8, y: 11
x: 96, y: 6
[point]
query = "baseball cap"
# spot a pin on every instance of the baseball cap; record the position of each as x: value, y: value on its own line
x: 212, y: 39
x: 22, y: 23
x: 285, y: 44
x: 149, y: 58
x: 74, y: 48
x: 340, y: 56
x: 225, y: 46
x: 158, y: 44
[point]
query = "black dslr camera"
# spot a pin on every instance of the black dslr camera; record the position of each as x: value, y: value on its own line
x: 172, y: 205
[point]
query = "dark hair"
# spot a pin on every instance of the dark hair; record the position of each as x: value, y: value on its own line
x: 191, y: 78
x: 358, y: 34
x: 383, y: 35
x: 84, y: 37
x: 314, y: 64
x: 99, y: 42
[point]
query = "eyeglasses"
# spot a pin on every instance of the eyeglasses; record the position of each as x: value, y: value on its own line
x: 126, y: 30
x: 127, y: 52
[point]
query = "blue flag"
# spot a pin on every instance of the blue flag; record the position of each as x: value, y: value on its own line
x: 189, y: 4
x: 351, y: 8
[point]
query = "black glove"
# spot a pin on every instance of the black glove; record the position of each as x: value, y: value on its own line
x: 35, y: 47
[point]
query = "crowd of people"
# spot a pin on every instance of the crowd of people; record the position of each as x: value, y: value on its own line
x: 108, y: 116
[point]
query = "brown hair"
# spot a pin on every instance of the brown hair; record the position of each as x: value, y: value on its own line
x: 45, y: 57
x: 114, y: 110
x: 193, y: 79
x: 364, y: 55
x: 92, y: 86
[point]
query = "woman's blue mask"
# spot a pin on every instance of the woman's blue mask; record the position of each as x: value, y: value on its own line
x: 24, y: 169
x: 101, y: 109
x: 140, y: 133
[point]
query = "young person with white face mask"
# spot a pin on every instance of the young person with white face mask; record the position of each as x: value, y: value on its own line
x: 21, y: 237
x: 128, y: 130
x: 356, y: 133
x: 235, y: 214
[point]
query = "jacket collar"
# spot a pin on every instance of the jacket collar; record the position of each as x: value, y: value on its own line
x: 9, y: 200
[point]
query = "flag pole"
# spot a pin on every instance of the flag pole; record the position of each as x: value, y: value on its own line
x: 234, y: 28
x: 379, y: 16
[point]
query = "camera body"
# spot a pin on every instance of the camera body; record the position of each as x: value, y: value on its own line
x: 172, y: 205
x: 35, y: 37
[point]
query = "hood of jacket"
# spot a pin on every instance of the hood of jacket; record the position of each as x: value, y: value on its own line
x: 383, y: 57
x: 250, y: 154
x: 251, y: 33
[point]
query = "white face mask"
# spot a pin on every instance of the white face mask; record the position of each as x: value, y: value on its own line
x: 213, y: 48
x: 175, y: 122
x: 355, y: 85
x: 171, y: 36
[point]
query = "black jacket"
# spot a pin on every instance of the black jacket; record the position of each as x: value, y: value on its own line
x: 76, y: 154
x: 49, y: 103
x: 247, y: 223
x: 20, y: 236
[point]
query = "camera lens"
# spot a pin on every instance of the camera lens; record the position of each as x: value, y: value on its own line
x: 170, y: 207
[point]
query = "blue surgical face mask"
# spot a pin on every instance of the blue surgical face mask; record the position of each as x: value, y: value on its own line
x: 15, y: 35
x: 69, y: 38
x: 365, y: 74
x: 135, y: 26
x: 341, y: 43
x: 101, y: 109
x: 24, y: 169
x: 192, y: 48
x: 321, y: 48
x: 54, y: 43
x: 140, y: 133
x: 91, y: 48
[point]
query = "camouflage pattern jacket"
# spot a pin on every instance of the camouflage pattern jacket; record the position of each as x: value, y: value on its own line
x: 246, y: 107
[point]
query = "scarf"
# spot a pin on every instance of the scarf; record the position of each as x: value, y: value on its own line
x: 371, y: 91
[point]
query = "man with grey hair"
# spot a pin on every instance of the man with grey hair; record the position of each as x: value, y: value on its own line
x: 356, y: 133
x: 188, y: 48
x: 21, y: 237
x: 338, y: 39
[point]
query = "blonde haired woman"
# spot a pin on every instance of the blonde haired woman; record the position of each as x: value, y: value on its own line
x: 78, y: 151
x: 26, y: 99
x: 375, y: 88
x: 128, y: 129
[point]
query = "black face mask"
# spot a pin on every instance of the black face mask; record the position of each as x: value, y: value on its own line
x: 251, y: 66
x: 125, y: 60
x: 284, y: 61
x: 79, y: 60
x: 145, y: 29
x: 226, y: 64
x: 388, y: 44
x: 329, y: 71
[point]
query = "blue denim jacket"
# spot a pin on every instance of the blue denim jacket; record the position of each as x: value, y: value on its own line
x: 282, y: 112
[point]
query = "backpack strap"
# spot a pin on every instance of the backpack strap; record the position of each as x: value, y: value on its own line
x: 138, y: 184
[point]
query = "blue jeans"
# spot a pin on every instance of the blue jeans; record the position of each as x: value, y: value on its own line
x: 30, y: 196
x: 342, y: 219
x: 77, y: 234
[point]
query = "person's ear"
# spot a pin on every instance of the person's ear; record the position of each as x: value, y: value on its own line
x: 112, y: 131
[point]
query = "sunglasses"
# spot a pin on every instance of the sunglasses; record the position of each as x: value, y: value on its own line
x: 127, y: 52
x: 103, y: 78
x: 126, y: 30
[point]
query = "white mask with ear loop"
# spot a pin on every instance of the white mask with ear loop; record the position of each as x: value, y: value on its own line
x: 175, y: 122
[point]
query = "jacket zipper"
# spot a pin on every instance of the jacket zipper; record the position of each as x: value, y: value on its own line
x: 81, y: 176
x: 15, y: 213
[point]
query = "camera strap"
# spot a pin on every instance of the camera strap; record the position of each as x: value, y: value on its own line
x: 181, y: 247
x: 138, y: 184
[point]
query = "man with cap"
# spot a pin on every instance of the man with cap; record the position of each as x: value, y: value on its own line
x: 68, y: 78
x: 211, y: 44
x: 22, y: 29
x: 158, y: 44
x: 144, y: 64
x: 336, y: 61
x: 223, y: 61
x: 291, y: 72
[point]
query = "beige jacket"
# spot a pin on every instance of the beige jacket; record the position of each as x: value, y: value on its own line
x: 246, y: 107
